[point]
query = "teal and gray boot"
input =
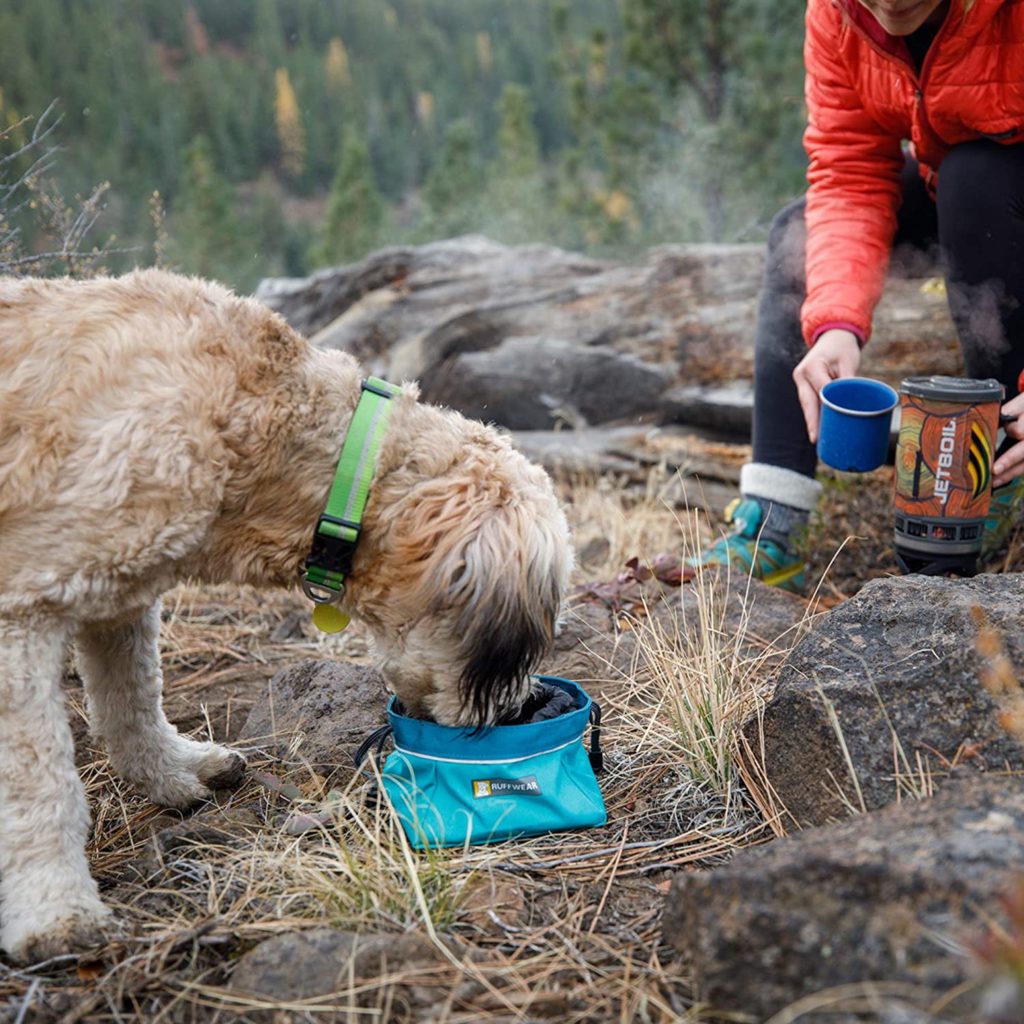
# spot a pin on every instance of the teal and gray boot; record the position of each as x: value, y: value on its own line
x: 750, y: 552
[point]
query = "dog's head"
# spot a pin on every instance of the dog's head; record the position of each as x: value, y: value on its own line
x: 470, y: 574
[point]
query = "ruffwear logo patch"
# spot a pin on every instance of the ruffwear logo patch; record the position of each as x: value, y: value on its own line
x: 526, y: 786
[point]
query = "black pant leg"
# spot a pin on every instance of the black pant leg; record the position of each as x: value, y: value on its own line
x: 980, y: 200
x: 779, y: 434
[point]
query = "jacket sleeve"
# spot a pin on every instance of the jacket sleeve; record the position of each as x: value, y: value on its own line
x: 854, y: 187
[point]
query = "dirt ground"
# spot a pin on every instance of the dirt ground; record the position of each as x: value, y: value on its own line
x: 559, y: 928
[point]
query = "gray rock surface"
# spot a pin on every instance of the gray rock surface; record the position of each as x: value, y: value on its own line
x: 213, y: 827
x: 900, y: 669
x: 727, y: 407
x: 884, y: 897
x: 314, y: 964
x: 535, y: 383
x: 318, y: 712
x: 700, y: 472
x: 421, y: 312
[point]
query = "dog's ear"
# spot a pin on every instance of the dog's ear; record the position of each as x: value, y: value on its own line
x: 493, y: 566
x: 271, y: 350
x: 509, y: 588
x: 501, y: 650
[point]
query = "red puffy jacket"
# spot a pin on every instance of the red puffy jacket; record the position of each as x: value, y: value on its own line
x: 863, y: 97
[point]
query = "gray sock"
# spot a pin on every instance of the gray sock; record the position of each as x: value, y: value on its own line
x: 780, y: 523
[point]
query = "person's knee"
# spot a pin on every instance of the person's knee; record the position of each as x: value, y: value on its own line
x: 980, y: 184
x: 786, y: 246
x: 787, y: 226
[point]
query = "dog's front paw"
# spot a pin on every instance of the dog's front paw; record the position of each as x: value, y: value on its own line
x: 188, y: 771
x: 31, y: 935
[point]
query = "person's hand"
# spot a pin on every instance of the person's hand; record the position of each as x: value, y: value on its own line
x: 1011, y: 462
x: 835, y: 354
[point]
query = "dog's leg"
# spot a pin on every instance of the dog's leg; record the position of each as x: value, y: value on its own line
x: 120, y: 663
x: 49, y: 903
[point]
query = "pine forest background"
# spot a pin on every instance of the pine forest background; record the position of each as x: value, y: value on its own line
x: 247, y: 138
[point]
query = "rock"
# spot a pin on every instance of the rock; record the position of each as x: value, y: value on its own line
x: 318, y: 712
x: 323, y: 962
x: 290, y: 627
x: 599, y: 648
x: 429, y: 282
x: 594, y: 450
x: 309, y: 303
x: 727, y: 407
x: 685, y: 311
x: 533, y: 383
x: 698, y: 469
x: 899, y: 667
x: 883, y: 897
x: 214, y: 827
x: 590, y: 649
x: 492, y: 906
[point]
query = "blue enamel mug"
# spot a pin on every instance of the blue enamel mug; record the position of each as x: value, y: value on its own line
x: 856, y: 414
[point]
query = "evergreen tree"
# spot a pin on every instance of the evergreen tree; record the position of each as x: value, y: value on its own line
x: 204, y: 233
x: 453, y: 188
x: 718, y: 60
x: 268, y: 33
x: 518, y: 146
x: 280, y: 243
x: 605, y: 164
x: 516, y: 199
x: 336, y: 65
x: 355, y: 211
x: 698, y: 133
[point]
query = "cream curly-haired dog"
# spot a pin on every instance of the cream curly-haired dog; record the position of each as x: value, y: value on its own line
x: 155, y: 428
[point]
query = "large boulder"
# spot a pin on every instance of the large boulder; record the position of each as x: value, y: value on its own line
x: 537, y: 383
x: 423, y: 312
x: 890, y: 897
x: 887, y: 693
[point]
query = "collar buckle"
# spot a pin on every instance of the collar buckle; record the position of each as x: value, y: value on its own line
x: 333, y: 548
x: 330, y: 558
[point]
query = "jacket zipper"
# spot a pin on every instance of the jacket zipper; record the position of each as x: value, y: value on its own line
x: 918, y: 78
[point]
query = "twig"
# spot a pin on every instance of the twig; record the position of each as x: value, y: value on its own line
x: 30, y: 996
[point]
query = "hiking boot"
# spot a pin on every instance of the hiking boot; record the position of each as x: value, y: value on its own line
x: 762, y: 559
x: 1004, y: 513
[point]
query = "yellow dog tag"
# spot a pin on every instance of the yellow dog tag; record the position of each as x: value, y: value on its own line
x: 328, y: 618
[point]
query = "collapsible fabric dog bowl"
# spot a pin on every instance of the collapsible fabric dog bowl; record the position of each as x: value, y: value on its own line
x: 452, y: 786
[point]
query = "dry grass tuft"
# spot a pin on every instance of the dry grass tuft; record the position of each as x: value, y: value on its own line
x: 707, y: 681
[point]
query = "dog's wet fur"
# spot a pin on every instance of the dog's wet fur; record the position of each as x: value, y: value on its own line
x: 156, y: 428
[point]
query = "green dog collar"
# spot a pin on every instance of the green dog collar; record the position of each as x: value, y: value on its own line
x: 338, y: 529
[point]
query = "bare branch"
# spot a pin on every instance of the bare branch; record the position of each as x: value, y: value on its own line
x: 31, y: 192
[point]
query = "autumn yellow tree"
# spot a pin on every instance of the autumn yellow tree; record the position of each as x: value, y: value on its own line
x: 291, y: 137
x: 336, y: 64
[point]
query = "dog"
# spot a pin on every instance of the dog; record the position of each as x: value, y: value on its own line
x: 156, y: 428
